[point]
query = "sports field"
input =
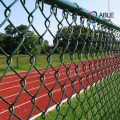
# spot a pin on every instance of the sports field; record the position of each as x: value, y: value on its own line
x: 57, y: 84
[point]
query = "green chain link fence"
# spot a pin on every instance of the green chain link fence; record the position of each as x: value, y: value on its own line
x: 89, y: 54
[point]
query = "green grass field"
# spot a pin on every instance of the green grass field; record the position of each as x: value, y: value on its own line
x: 41, y: 61
x: 101, y: 102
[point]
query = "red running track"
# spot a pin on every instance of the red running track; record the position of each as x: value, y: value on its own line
x: 89, y: 72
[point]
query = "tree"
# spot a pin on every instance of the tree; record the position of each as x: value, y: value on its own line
x: 31, y: 43
x: 2, y: 43
x: 12, y: 38
x: 9, y: 30
x: 45, y: 46
x: 78, y: 36
x: 71, y: 38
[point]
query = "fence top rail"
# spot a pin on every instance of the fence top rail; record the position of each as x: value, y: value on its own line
x: 74, y: 8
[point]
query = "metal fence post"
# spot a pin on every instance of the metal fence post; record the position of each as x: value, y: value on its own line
x: 17, y: 61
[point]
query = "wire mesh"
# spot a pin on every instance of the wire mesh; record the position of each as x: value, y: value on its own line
x: 87, y: 66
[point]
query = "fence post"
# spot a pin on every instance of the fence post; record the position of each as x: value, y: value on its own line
x: 17, y: 61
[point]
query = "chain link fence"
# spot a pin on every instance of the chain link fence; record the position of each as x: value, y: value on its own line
x: 85, y: 76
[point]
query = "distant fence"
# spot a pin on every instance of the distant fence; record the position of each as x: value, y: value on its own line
x: 15, y: 59
x: 18, y: 59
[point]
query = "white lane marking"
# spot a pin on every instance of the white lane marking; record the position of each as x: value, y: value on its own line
x: 32, y: 71
x: 43, y: 69
x: 53, y: 92
x: 54, y: 106
x: 34, y: 81
x: 40, y: 97
x: 19, y: 79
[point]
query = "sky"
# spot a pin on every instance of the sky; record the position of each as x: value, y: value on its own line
x: 20, y: 16
x: 102, y: 6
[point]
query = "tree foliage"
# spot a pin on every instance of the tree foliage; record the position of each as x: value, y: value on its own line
x: 84, y: 38
x: 11, y: 39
